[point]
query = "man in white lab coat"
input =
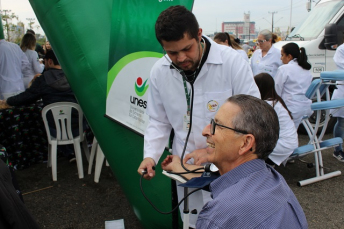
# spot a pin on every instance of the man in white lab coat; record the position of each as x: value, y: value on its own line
x: 13, y: 62
x: 186, y: 88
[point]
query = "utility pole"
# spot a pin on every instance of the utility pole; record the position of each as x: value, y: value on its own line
x: 30, y: 22
x: 272, y: 20
x: 291, y: 9
x: 309, y: 5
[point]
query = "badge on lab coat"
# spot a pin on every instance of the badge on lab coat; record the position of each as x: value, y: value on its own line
x: 186, y: 122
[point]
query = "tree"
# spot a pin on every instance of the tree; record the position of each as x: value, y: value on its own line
x: 8, y: 25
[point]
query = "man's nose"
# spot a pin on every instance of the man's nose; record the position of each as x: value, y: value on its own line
x: 181, y: 57
x: 206, y: 131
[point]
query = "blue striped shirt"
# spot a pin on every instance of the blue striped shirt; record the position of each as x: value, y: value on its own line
x: 253, y: 195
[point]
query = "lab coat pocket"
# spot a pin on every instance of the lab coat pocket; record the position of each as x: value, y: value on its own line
x: 267, y: 68
x: 213, y: 101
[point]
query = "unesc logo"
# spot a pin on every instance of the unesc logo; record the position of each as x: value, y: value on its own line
x: 140, y: 88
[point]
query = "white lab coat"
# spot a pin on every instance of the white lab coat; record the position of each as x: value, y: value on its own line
x: 269, y: 63
x: 34, y: 68
x: 243, y: 54
x: 12, y: 62
x: 223, y: 74
x: 339, y: 92
x: 288, y: 139
x: 291, y: 83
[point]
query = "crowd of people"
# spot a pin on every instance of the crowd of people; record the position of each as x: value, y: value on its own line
x: 31, y: 73
x: 198, y: 81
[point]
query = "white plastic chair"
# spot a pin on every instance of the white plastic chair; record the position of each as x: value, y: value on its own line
x: 99, y: 160
x: 62, y: 113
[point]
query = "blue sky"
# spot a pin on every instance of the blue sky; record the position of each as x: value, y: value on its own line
x: 211, y: 13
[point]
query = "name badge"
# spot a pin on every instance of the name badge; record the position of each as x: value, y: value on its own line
x: 186, y: 122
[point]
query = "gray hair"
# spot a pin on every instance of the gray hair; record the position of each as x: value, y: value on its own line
x: 258, y: 118
x: 266, y: 33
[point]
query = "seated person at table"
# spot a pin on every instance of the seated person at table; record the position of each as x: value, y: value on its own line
x: 248, y: 193
x: 52, y: 86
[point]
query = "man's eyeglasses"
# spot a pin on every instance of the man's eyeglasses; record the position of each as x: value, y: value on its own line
x: 260, y: 41
x: 213, y: 125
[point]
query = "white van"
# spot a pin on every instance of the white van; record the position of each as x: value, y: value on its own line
x: 310, y: 34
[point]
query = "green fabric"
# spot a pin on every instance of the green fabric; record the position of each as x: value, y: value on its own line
x: 79, y: 32
x: 1, y: 29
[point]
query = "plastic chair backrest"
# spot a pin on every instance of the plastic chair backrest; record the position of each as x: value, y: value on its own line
x: 62, y: 115
x: 312, y: 89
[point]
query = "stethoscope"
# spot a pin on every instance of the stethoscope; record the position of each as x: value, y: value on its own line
x: 190, y: 79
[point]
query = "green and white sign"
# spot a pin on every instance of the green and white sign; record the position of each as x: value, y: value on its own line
x: 127, y: 98
x: 133, y: 52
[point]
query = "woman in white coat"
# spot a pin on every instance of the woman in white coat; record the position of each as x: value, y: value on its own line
x: 228, y: 40
x: 292, y: 81
x: 338, y: 130
x: 267, y: 57
x: 28, y: 45
x: 288, y: 139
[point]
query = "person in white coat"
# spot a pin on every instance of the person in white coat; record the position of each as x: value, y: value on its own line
x: 186, y: 88
x: 292, y: 81
x: 288, y: 139
x: 338, y: 130
x: 267, y: 57
x: 28, y: 45
x: 12, y: 64
x: 228, y: 40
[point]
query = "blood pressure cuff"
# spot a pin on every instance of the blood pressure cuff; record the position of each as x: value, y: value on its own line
x: 201, y: 182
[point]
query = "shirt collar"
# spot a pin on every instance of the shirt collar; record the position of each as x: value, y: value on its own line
x: 235, y: 175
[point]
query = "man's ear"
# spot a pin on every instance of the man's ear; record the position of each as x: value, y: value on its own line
x: 248, y: 144
x: 199, y: 34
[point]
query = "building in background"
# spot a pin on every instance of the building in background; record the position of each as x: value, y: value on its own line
x: 244, y: 30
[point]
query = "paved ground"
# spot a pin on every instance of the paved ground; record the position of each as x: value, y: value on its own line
x: 73, y: 203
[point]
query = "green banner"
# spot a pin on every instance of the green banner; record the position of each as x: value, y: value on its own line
x: 1, y: 29
x: 133, y: 51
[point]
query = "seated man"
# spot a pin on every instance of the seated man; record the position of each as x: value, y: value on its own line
x: 249, y: 193
x: 52, y: 86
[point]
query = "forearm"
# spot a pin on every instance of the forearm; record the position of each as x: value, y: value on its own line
x: 156, y: 139
x: 173, y: 165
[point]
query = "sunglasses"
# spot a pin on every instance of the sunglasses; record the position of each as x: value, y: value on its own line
x: 213, y: 125
x: 260, y: 41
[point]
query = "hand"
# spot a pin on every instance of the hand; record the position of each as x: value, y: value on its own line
x: 171, y: 163
x: 199, y: 156
x: 147, y: 164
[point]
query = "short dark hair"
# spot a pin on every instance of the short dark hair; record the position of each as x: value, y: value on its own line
x: 51, y: 55
x: 30, y: 31
x: 174, y: 22
x: 258, y: 118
